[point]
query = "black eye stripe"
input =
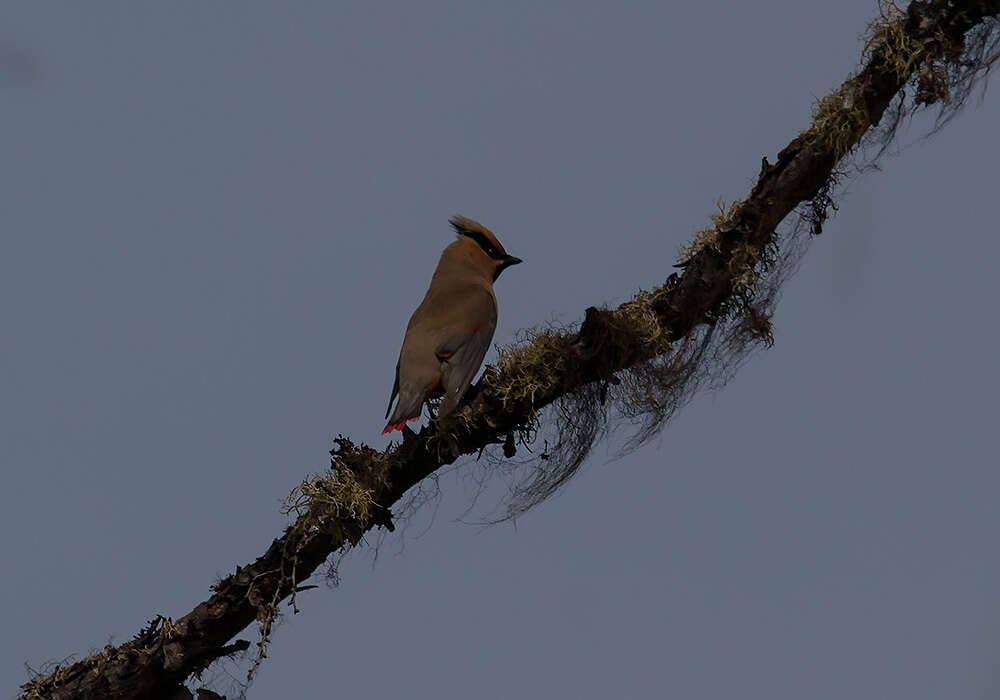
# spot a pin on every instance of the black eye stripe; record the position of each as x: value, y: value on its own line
x: 484, y: 243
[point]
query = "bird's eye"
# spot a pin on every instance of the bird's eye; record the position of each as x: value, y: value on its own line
x: 491, y: 251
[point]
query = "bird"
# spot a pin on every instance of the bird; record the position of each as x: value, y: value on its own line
x: 450, y: 331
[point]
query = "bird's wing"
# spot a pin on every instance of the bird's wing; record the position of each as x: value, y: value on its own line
x: 461, y: 354
x: 395, y: 390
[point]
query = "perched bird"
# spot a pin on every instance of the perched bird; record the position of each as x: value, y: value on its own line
x: 450, y: 331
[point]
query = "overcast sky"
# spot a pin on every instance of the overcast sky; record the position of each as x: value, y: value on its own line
x: 217, y: 218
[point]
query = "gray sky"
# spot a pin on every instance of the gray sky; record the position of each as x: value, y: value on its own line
x: 218, y: 217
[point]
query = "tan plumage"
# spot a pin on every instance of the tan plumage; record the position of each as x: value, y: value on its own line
x: 450, y: 332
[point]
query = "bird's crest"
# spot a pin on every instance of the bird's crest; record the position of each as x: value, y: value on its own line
x: 464, y: 226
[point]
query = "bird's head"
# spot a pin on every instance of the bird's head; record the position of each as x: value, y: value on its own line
x: 491, y: 255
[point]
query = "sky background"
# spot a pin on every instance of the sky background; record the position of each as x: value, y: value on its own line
x: 218, y: 217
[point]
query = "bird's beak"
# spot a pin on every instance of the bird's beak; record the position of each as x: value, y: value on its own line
x: 505, y: 262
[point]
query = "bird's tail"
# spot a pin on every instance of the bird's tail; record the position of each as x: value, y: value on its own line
x: 407, y: 409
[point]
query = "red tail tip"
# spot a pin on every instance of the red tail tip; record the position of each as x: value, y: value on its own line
x: 398, y: 426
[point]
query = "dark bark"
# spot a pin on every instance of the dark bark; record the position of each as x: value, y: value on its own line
x: 158, y: 660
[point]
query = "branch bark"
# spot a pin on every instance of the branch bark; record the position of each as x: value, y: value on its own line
x: 159, y: 659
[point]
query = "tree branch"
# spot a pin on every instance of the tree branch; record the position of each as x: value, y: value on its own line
x: 334, y: 510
